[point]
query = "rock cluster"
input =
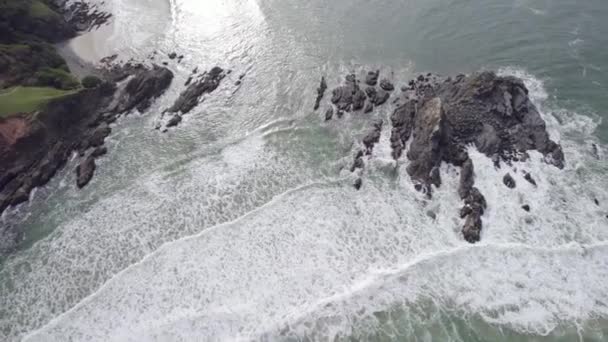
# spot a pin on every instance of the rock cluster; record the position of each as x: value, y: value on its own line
x: 435, y: 119
x: 351, y: 97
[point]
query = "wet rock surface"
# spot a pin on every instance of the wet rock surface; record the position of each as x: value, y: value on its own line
x: 85, y: 171
x: 351, y: 97
x: 436, y: 119
x: 509, y: 181
x: 190, y: 98
x: 320, y: 93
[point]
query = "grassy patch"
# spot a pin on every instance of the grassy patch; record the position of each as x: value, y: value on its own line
x: 14, y: 48
x: 40, y: 10
x: 28, y: 99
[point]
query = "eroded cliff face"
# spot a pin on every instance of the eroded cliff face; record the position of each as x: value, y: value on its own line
x: 435, y: 119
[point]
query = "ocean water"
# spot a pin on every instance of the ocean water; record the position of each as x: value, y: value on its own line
x: 241, y: 224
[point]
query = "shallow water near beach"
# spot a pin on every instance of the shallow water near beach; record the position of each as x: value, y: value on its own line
x: 241, y: 224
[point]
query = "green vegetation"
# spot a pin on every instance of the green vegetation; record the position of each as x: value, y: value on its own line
x: 39, y: 9
x: 57, y: 78
x: 28, y: 99
x: 31, y: 71
x: 91, y: 81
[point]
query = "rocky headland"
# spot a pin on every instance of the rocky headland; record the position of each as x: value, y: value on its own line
x: 37, y: 141
x: 435, y: 119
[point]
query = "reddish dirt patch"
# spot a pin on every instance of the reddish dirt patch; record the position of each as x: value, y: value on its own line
x: 11, y: 129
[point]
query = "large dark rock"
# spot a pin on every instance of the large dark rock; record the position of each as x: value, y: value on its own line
x: 143, y: 87
x: 441, y: 118
x: 425, y: 150
x: 190, y: 98
x: 444, y: 116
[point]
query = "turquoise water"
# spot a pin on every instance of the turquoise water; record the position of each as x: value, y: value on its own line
x: 241, y: 224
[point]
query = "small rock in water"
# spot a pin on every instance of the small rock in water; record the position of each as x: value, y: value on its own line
x: 431, y: 214
x: 595, y: 151
x: 595, y: 200
x: 340, y: 114
x: 165, y: 63
x: 320, y: 91
x: 172, y: 55
x: 528, y: 177
x: 526, y: 207
x: 329, y: 113
x: 174, y: 121
x: 358, y: 183
x: 509, y: 181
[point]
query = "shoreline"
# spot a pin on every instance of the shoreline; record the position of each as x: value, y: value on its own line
x: 36, y: 143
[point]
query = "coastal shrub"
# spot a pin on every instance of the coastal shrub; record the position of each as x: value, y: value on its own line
x: 56, y: 78
x: 91, y: 81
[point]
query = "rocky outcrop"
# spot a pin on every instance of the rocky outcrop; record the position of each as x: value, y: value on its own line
x: 436, y: 119
x: 32, y: 149
x: 191, y: 97
x: 145, y: 85
x: 444, y: 116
